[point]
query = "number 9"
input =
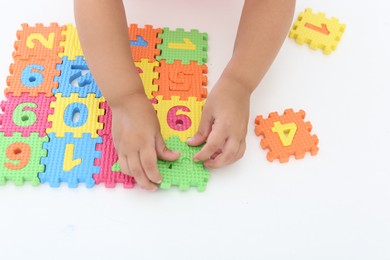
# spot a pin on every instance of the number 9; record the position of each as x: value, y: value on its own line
x: 18, y: 152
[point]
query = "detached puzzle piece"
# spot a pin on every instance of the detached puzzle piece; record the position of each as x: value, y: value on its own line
x: 25, y: 114
x: 110, y: 173
x: 70, y: 160
x: 286, y: 135
x: 178, y: 117
x: 184, y: 46
x: 317, y: 31
x: 42, y: 42
x: 75, y: 77
x: 183, y: 80
x: 20, y: 158
x: 64, y: 115
x: 143, y: 42
x: 183, y: 172
x: 33, y: 76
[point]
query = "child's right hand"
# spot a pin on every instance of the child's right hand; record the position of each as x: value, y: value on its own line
x: 137, y: 139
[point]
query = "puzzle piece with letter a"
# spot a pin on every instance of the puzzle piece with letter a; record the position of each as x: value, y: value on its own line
x: 317, y: 31
x: 286, y: 135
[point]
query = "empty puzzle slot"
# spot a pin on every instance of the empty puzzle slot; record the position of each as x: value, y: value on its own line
x: 76, y: 115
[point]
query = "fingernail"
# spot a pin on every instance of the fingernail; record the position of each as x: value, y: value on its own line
x: 195, y: 160
x: 190, y: 139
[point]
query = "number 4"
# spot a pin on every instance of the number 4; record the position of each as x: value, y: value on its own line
x: 286, y: 132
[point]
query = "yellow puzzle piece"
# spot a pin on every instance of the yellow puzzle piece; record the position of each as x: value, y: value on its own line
x: 148, y: 75
x: 72, y: 47
x: 317, y: 31
x: 178, y: 117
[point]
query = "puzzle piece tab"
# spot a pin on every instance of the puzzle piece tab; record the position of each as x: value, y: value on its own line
x: 178, y: 117
x: 146, y: 71
x: 183, y: 172
x: 286, y: 135
x: 184, y: 46
x: 317, y: 31
x: 20, y: 158
x: 70, y: 160
x: 183, y: 80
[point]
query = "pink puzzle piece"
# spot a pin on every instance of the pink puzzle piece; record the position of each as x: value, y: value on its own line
x: 106, y: 162
x: 106, y: 119
x: 25, y: 114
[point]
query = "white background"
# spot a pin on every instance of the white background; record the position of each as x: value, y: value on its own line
x: 331, y: 206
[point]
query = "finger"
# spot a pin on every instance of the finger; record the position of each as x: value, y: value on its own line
x: 163, y: 152
x: 228, y: 155
x: 215, y: 142
x: 148, y: 159
x: 203, y: 132
x: 123, y: 165
x: 136, y: 170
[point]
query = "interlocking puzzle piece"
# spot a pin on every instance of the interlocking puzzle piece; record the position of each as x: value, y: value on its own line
x: 20, y: 158
x: 178, y: 117
x: 39, y: 41
x: 183, y: 172
x: 184, y: 46
x: 147, y: 73
x: 317, y: 31
x: 143, y: 42
x: 25, y: 114
x: 286, y: 135
x: 183, y: 80
x: 75, y: 78
x: 109, y: 172
x: 71, y: 45
x: 66, y: 109
x: 70, y: 160
x: 33, y: 76
x: 105, y: 119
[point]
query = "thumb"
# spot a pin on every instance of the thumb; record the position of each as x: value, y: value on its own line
x: 203, y: 132
x: 163, y: 152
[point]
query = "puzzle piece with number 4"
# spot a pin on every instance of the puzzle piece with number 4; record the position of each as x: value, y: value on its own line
x: 286, y: 135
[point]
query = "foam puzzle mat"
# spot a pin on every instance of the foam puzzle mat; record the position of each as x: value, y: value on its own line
x: 42, y: 140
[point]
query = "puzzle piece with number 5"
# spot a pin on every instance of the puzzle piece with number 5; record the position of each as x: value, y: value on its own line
x: 286, y: 135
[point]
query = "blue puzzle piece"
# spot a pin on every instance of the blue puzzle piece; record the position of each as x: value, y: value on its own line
x: 70, y: 160
x: 140, y: 42
x: 75, y: 78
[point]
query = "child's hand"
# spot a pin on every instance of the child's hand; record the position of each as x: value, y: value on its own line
x: 138, y: 141
x: 223, y: 124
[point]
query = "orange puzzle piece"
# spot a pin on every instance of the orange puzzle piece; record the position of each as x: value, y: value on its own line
x: 182, y: 80
x: 143, y: 42
x: 286, y: 135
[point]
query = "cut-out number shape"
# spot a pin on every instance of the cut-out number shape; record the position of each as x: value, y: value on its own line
x: 140, y: 42
x: 22, y: 117
x: 181, y: 81
x: 48, y: 42
x: 76, y: 114
x: 116, y: 167
x: 19, y: 152
x: 286, y: 132
x: 31, y: 75
x: 178, y: 122
x: 81, y: 77
x: 69, y: 162
x: 323, y: 29
x: 186, y: 45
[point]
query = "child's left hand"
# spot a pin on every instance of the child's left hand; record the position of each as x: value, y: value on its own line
x: 223, y: 125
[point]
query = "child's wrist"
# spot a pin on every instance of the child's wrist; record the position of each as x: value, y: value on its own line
x: 123, y: 98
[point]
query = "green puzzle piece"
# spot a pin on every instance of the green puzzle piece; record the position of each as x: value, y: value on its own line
x: 184, y: 46
x: 20, y: 158
x: 183, y: 172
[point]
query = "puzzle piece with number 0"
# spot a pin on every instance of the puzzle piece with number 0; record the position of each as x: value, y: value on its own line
x: 56, y: 126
